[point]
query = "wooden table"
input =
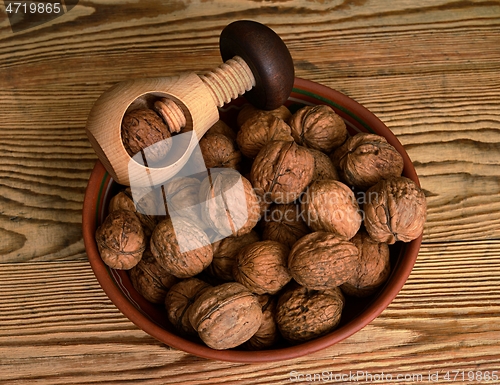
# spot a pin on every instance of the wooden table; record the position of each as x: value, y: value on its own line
x: 429, y: 69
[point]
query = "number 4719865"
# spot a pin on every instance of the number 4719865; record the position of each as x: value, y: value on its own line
x: 476, y: 376
x: 33, y: 7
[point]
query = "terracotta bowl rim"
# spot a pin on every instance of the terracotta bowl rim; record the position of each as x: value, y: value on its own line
x: 306, y: 89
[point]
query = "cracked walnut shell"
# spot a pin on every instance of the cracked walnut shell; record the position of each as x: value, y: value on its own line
x: 395, y: 210
x: 181, y: 247
x: 283, y: 170
x: 318, y: 127
x: 372, y: 267
x: 365, y: 158
x: 303, y: 314
x: 121, y: 240
x: 226, y: 316
x: 330, y: 205
x: 261, y: 267
x: 322, y: 260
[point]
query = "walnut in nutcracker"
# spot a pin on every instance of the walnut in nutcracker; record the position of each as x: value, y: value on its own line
x: 179, y: 299
x: 318, y: 127
x: 372, y: 267
x: 321, y: 260
x: 330, y: 205
x: 181, y: 247
x: 150, y: 279
x: 268, y: 333
x: 395, y: 210
x: 229, y: 204
x: 303, y: 314
x: 144, y: 131
x: 262, y: 267
x: 219, y: 151
x: 226, y: 316
x: 259, y: 129
x: 365, y: 158
x: 225, y: 252
x: 120, y: 240
x: 284, y: 223
x: 282, y: 170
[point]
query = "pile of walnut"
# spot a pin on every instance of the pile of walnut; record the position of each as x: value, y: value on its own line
x: 320, y: 209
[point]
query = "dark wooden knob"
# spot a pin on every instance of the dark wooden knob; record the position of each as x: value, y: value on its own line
x: 268, y: 58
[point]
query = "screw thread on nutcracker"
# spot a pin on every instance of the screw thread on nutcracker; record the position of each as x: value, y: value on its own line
x: 171, y: 113
x: 229, y: 80
x: 226, y: 82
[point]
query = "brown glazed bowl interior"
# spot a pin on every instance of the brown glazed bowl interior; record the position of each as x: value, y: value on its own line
x: 152, y: 318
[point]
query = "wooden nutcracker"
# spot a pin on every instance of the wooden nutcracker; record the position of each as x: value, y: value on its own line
x: 257, y: 64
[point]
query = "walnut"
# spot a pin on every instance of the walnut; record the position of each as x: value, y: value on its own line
x: 365, y: 158
x: 225, y: 252
x: 249, y: 110
x: 222, y: 128
x: 330, y: 205
x: 145, y: 207
x: 219, y: 151
x: 182, y: 196
x: 259, y: 129
x: 150, y: 279
x: 143, y: 130
x: 181, y: 247
x: 372, y: 267
x: 303, y: 314
x: 120, y: 240
x: 226, y: 316
x: 322, y: 260
x: 228, y: 203
x: 284, y: 224
x: 318, y: 127
x: 179, y: 299
x: 282, y: 169
x: 323, y: 166
x: 395, y: 210
x: 261, y: 267
x: 268, y: 334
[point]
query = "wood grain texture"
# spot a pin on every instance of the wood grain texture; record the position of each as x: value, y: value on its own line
x: 428, y: 69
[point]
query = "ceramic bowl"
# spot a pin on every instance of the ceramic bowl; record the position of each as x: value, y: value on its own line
x: 152, y: 318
